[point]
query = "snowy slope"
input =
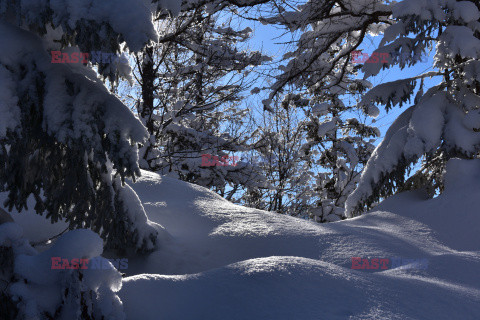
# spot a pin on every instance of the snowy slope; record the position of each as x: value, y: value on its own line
x: 222, y: 261
x: 228, y: 262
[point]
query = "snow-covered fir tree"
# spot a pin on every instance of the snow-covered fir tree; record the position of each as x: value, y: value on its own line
x: 64, y: 139
x: 442, y: 122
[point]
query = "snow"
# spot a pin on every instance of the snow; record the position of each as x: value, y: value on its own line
x: 244, y: 291
x: 472, y: 120
x: 326, y: 127
x: 351, y: 153
x: 392, y: 32
x: 459, y: 40
x: 35, y: 227
x: 73, y: 100
x: 173, y: 5
x: 450, y: 215
x: 426, y: 134
x: 61, y: 109
x: 81, y: 244
x: 417, y: 131
x: 9, y: 232
x: 320, y: 109
x: 130, y: 18
x: 136, y: 213
x: 457, y: 134
x: 466, y: 11
x: 229, y: 262
x: 223, y: 261
x: 423, y: 9
x: 42, y: 288
x: 383, y: 159
x: 373, y: 111
x: 389, y: 93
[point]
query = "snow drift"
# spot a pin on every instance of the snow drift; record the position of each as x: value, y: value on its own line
x: 228, y: 262
x: 222, y: 261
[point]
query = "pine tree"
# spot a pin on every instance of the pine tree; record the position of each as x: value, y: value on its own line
x: 443, y: 120
x: 63, y: 137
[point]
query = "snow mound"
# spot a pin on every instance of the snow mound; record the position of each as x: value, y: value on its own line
x: 453, y: 216
x: 222, y: 261
x: 252, y: 289
x: 294, y: 288
x: 228, y: 262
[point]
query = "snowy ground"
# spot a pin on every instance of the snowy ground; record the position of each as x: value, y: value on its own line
x: 222, y: 261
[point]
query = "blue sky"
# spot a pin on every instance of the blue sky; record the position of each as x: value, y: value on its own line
x: 269, y: 39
